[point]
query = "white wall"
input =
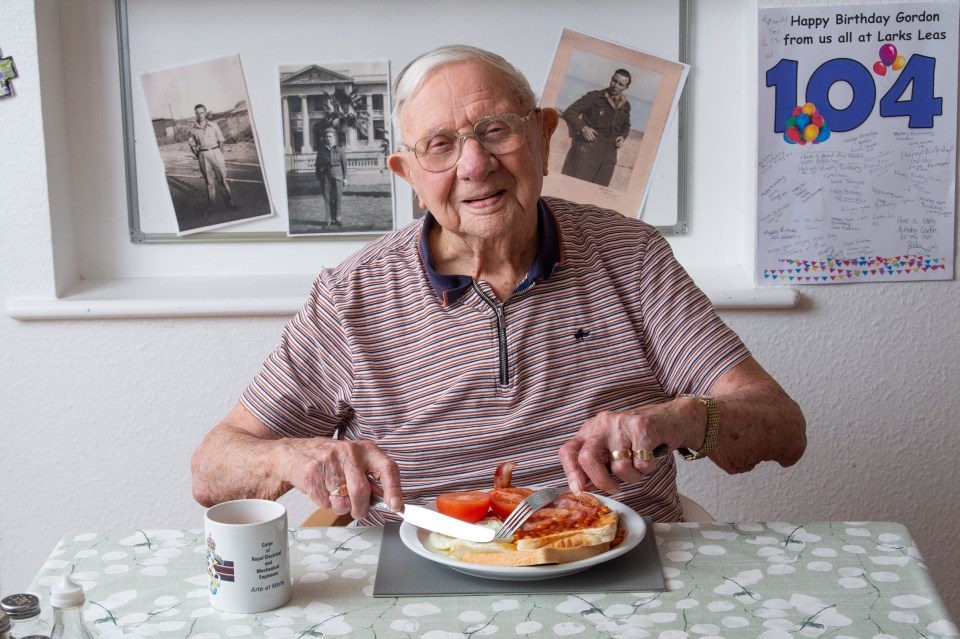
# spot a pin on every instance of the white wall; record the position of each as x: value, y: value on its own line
x: 100, y: 416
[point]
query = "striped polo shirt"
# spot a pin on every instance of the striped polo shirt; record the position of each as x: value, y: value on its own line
x: 450, y: 382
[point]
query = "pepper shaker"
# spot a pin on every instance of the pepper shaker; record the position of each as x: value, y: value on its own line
x: 24, y: 612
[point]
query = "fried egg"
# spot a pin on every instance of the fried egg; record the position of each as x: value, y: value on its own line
x: 450, y: 545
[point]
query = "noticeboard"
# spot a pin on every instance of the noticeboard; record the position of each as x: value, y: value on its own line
x: 290, y: 33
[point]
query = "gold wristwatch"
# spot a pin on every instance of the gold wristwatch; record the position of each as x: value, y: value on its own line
x: 713, y: 425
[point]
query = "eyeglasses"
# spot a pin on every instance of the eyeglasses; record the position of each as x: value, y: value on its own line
x: 498, y: 134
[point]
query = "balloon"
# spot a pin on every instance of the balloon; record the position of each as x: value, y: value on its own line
x: 899, y: 63
x: 806, y: 125
x: 879, y: 68
x: 888, y: 53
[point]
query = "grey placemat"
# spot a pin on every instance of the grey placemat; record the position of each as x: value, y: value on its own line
x: 400, y: 572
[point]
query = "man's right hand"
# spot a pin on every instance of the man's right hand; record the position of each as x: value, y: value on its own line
x: 241, y: 457
x: 340, y: 474
x: 589, y: 133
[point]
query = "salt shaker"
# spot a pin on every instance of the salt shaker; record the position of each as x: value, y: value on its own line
x: 24, y: 613
x: 4, y: 625
x: 67, y: 600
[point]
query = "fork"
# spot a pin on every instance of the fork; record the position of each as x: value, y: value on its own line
x: 534, y: 502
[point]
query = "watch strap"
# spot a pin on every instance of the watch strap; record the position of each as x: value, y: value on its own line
x: 713, y: 425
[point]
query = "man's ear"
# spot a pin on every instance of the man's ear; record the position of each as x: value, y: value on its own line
x: 398, y: 164
x: 549, y: 119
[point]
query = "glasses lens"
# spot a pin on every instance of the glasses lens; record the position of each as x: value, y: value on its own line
x: 439, y: 146
x: 501, y: 134
x: 439, y: 151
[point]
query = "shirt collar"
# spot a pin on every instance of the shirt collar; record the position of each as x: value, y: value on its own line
x: 615, y: 102
x: 450, y: 288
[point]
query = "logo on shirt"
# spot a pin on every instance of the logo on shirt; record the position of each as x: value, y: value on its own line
x: 581, y: 335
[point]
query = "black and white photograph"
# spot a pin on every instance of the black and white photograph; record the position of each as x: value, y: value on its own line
x: 336, y: 139
x: 207, y: 141
x: 615, y: 105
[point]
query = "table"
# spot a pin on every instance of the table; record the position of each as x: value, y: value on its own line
x: 770, y: 580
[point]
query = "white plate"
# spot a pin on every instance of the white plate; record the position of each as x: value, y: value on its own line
x: 416, y: 540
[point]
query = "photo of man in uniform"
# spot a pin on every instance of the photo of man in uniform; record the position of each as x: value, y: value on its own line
x: 599, y: 123
x: 331, y: 171
x: 616, y: 104
x: 336, y: 139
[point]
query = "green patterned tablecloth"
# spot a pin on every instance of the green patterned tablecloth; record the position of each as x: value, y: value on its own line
x: 771, y: 580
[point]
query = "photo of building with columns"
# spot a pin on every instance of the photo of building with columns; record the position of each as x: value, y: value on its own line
x: 352, y: 99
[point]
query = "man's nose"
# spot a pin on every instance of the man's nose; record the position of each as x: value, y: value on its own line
x: 475, y: 160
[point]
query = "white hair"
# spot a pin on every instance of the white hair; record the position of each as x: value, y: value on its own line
x: 408, y: 81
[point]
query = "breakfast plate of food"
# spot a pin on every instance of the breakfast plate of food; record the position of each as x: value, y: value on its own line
x: 571, y: 534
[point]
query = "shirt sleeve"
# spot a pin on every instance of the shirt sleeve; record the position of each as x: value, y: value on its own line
x: 625, y: 124
x: 303, y: 387
x: 572, y: 113
x: 687, y: 344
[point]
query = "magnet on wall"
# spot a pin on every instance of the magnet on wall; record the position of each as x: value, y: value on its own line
x: 7, y: 72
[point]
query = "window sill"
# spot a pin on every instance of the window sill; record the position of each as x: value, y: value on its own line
x: 283, y: 295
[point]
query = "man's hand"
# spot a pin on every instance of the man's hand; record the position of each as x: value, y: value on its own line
x: 758, y: 422
x: 340, y: 474
x: 587, y: 457
x: 242, y: 457
x: 589, y: 133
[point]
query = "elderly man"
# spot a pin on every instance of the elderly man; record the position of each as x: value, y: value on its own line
x: 504, y: 327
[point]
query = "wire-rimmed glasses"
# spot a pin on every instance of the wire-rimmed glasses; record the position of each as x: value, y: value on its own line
x: 498, y: 134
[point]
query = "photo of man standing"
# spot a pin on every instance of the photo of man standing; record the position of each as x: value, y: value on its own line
x: 331, y: 170
x: 599, y: 123
x: 206, y: 141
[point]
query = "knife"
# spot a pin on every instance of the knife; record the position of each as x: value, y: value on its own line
x: 437, y: 522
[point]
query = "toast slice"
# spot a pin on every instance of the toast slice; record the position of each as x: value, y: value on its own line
x: 556, y: 548
x: 536, y: 557
x: 601, y: 532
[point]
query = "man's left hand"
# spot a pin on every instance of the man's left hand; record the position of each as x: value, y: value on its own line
x: 758, y: 422
x: 587, y: 458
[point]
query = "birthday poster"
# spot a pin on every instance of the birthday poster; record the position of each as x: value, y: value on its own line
x: 857, y: 158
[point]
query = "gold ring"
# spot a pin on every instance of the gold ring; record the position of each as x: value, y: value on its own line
x: 617, y: 455
x: 337, y: 493
x: 643, y: 454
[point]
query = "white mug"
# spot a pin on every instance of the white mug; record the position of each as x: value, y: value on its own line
x: 247, y: 555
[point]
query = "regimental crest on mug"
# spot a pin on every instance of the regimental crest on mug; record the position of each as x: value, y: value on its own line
x: 218, y: 568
